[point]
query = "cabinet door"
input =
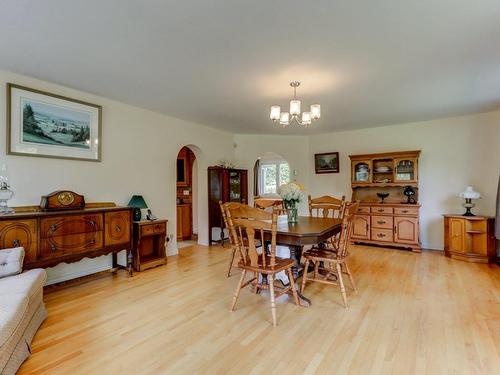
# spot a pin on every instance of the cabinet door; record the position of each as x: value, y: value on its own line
x: 20, y: 233
x: 406, y: 230
x: 117, y: 227
x: 361, y: 171
x: 179, y: 223
x: 405, y: 170
x: 361, y: 227
x: 456, y: 236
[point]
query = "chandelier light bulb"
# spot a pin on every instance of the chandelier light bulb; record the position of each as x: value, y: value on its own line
x: 275, y: 112
x: 285, y: 118
x: 306, y: 118
x: 295, y: 107
x: 315, y: 111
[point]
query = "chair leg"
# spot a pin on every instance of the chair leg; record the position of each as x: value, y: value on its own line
x: 348, y: 271
x: 316, y: 267
x: 273, y: 302
x: 238, y: 288
x: 341, y: 282
x: 231, y: 263
x: 292, y: 285
x: 304, y: 276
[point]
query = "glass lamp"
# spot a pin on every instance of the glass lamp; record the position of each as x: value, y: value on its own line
x: 315, y: 111
x: 5, y: 192
x: 275, y: 112
x: 469, y: 194
x: 285, y: 118
x: 137, y: 202
x: 306, y: 118
x: 295, y: 107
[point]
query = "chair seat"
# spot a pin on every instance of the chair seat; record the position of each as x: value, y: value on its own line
x: 328, y: 254
x: 280, y: 265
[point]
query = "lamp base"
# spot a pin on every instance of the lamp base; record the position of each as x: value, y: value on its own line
x: 137, y: 215
x: 468, y: 205
x: 468, y: 212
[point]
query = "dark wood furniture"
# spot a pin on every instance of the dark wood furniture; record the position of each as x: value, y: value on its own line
x: 470, y: 238
x: 394, y: 222
x: 226, y: 185
x: 246, y: 224
x: 53, y: 237
x: 184, y: 220
x: 149, y: 244
x: 332, y: 259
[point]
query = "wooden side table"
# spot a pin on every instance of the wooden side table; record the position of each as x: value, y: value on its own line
x: 469, y: 238
x: 149, y: 244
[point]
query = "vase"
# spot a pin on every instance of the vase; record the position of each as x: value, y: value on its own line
x: 292, y: 215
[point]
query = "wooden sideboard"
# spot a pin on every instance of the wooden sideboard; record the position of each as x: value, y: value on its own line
x: 50, y: 238
x: 390, y: 224
x: 469, y: 238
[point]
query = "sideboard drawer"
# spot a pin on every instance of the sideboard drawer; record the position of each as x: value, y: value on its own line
x: 406, y: 211
x: 117, y: 227
x: 74, y: 224
x: 14, y: 233
x: 385, y: 235
x: 382, y: 222
x: 147, y: 230
x: 70, y: 244
x: 363, y: 210
x: 381, y: 210
x: 160, y: 228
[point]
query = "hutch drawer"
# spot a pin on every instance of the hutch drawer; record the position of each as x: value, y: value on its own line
x: 406, y: 211
x: 385, y: 235
x: 363, y: 210
x: 381, y: 210
x: 386, y: 222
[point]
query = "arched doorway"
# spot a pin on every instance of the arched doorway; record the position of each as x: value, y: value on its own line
x: 271, y: 170
x: 187, y: 197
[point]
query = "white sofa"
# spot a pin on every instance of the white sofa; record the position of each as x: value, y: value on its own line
x: 22, y: 310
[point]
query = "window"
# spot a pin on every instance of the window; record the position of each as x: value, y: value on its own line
x: 273, y: 174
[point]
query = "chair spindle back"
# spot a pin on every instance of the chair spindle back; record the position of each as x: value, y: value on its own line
x: 327, y: 206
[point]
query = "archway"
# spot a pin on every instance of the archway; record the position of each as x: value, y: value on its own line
x: 186, y: 197
x: 271, y: 170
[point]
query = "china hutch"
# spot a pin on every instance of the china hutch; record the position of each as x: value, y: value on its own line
x: 387, y: 186
x: 226, y: 185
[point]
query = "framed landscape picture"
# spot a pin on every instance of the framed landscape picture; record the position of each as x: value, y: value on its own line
x: 327, y: 162
x: 48, y: 125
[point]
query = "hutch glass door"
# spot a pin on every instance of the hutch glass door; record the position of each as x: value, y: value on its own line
x: 361, y: 172
x: 405, y: 170
x: 235, y: 186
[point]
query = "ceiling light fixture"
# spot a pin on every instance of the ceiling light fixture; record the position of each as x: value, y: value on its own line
x: 294, y: 114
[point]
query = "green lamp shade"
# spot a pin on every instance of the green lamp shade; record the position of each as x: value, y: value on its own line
x: 137, y: 202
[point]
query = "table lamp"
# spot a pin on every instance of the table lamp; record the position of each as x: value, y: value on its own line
x: 137, y: 202
x: 468, y: 194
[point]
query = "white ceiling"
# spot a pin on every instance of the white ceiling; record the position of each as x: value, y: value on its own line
x: 223, y: 63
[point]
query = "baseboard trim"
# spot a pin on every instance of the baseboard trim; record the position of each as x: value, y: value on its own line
x: 75, y: 275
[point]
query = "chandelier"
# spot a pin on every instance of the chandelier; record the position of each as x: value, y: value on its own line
x: 303, y: 119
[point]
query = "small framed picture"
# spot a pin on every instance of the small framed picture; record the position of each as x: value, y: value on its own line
x: 327, y: 162
x: 52, y: 126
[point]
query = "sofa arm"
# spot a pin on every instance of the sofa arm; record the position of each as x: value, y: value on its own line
x: 11, y: 261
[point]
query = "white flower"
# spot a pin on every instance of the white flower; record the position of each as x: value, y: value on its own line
x: 290, y: 193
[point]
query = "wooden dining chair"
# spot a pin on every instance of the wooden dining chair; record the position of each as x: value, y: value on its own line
x: 334, y: 258
x: 327, y: 206
x: 269, y: 204
x: 226, y: 225
x: 250, y: 223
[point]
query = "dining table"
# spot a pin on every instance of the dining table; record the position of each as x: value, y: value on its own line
x: 308, y: 230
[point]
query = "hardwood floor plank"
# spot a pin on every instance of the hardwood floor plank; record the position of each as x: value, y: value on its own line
x: 413, y: 314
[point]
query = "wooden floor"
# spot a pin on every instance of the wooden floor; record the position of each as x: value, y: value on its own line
x: 414, y: 314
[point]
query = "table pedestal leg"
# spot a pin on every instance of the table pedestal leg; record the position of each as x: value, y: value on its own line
x: 296, y: 254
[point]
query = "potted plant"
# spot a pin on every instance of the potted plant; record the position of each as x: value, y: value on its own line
x: 291, y: 195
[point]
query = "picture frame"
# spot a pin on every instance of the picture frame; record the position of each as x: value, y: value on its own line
x: 43, y: 124
x: 327, y: 162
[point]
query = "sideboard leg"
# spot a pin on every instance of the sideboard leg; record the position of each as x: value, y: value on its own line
x: 130, y: 258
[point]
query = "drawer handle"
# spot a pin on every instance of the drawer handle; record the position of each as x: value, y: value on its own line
x: 16, y: 243
x: 117, y: 228
x: 404, y: 211
x: 381, y: 222
x: 380, y: 210
x: 53, y: 248
x: 380, y: 235
x: 92, y: 222
x: 92, y: 241
x: 53, y: 227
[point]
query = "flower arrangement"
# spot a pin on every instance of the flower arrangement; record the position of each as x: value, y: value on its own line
x: 291, y: 195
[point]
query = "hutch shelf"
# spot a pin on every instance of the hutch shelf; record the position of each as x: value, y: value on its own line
x: 393, y: 221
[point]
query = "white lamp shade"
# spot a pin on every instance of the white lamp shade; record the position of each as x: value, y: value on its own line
x: 469, y: 193
x: 295, y: 107
x: 315, y: 111
x: 306, y: 118
x: 275, y: 112
x: 285, y: 118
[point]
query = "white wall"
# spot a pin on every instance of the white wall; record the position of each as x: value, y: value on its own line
x: 140, y: 148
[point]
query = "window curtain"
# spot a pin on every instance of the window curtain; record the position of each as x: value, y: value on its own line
x: 256, y: 178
